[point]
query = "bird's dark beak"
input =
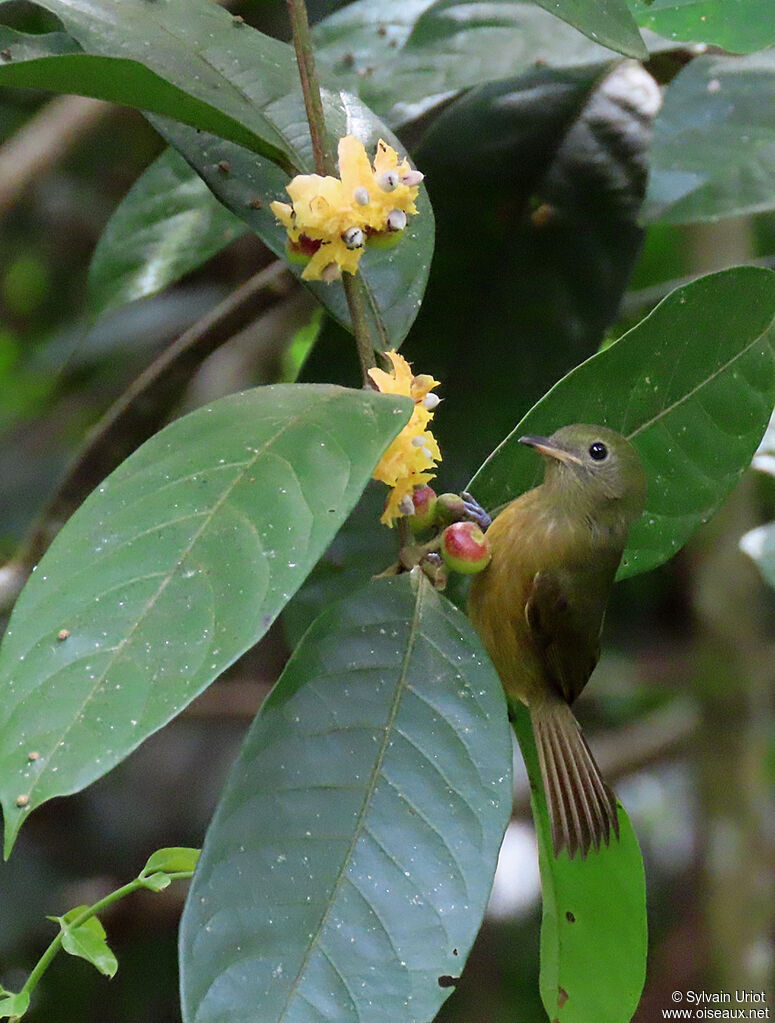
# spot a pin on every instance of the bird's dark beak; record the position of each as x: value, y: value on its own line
x: 545, y: 447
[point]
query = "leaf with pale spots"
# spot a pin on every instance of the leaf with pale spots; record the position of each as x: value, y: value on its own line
x: 692, y: 386
x: 347, y: 868
x: 176, y: 565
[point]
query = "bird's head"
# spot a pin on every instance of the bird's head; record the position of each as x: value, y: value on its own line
x: 593, y: 468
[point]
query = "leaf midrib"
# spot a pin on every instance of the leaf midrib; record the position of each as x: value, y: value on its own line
x: 361, y: 824
x: 704, y: 383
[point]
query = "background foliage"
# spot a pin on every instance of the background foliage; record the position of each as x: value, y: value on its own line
x: 566, y: 205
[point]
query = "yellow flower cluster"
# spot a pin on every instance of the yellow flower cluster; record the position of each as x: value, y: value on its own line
x: 331, y: 218
x: 411, y: 458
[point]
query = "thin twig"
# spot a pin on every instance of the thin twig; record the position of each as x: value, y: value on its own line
x: 310, y: 87
x: 44, y: 140
x: 354, y: 295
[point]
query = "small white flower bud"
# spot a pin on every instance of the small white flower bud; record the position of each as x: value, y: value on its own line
x: 388, y: 181
x: 396, y: 220
x: 406, y: 505
x: 430, y: 401
x: 418, y: 442
x: 353, y: 238
x: 361, y: 196
x: 412, y: 178
x: 428, y: 454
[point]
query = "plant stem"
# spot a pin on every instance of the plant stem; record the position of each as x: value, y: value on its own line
x: 352, y: 290
x: 310, y: 87
x: 45, y: 960
x: 324, y: 164
x: 128, y: 889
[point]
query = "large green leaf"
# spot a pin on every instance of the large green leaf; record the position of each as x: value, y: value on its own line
x: 737, y: 25
x: 54, y: 61
x: 172, y: 568
x: 168, y: 224
x: 405, y: 58
x: 347, y: 868
x: 593, y: 929
x: 692, y: 385
x: 713, y: 153
x: 393, y: 280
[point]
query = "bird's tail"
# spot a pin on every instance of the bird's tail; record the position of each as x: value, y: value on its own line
x: 582, y: 808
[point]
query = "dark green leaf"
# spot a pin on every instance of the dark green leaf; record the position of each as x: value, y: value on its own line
x: 53, y: 61
x: 556, y: 171
x: 593, y: 930
x: 394, y: 280
x: 87, y: 940
x: 200, y: 50
x: 737, y: 25
x: 168, y: 224
x: 713, y: 153
x: 171, y: 569
x: 348, y: 865
x: 407, y: 57
x: 692, y: 385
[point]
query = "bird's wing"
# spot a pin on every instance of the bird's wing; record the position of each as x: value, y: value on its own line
x: 565, y: 630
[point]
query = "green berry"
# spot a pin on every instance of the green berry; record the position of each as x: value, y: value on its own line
x: 449, y: 508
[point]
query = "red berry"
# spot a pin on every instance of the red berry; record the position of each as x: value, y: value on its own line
x: 464, y: 548
x: 424, y: 500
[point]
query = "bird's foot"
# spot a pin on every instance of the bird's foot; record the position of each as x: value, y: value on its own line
x: 474, y: 512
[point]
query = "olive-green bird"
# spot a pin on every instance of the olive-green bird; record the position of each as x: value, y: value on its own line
x: 539, y: 608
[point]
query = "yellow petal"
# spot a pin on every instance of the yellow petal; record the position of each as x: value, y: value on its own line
x: 354, y: 167
x: 283, y: 212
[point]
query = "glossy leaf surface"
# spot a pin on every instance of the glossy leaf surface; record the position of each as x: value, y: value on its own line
x: 713, y: 153
x: 171, y: 569
x: 349, y: 862
x: 407, y: 57
x: 593, y: 929
x: 692, y: 385
x: 54, y: 61
x: 168, y: 224
x: 740, y: 26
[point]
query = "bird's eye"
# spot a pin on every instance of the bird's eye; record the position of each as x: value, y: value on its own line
x: 598, y: 451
